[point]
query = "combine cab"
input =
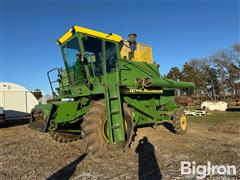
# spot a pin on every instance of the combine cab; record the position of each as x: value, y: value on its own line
x: 109, y: 87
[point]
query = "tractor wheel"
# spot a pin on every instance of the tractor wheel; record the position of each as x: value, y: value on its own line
x: 94, y: 130
x: 63, y: 137
x: 179, y: 122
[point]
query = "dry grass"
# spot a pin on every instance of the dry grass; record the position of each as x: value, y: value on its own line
x: 28, y: 154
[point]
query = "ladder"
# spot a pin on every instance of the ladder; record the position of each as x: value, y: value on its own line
x: 114, y: 109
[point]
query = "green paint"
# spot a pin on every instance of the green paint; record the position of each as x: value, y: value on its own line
x: 94, y: 70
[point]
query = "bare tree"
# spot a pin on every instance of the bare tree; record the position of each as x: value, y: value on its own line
x: 215, y: 76
x: 225, y: 61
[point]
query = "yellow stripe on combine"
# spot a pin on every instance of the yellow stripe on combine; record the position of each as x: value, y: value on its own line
x: 67, y: 35
x: 145, y: 90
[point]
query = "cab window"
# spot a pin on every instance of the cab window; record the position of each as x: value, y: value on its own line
x: 93, y: 54
x: 111, y: 56
x: 71, y: 49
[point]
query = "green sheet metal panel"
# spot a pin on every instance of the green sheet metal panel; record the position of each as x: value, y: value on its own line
x: 66, y: 112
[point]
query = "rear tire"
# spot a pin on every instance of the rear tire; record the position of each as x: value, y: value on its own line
x: 93, y: 130
x: 179, y: 121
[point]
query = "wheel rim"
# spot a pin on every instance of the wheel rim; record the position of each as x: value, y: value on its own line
x: 183, y: 122
x: 105, y: 130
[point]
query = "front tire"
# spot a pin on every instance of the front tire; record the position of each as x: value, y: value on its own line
x: 93, y: 128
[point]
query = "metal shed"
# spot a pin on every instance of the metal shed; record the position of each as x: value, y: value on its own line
x: 16, y: 100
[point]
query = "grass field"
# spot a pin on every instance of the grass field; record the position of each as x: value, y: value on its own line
x: 217, y: 117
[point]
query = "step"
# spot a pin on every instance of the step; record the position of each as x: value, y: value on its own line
x: 116, y: 126
x: 115, y: 112
x: 113, y: 97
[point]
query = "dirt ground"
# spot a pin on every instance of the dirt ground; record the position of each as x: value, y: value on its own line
x: 155, y: 154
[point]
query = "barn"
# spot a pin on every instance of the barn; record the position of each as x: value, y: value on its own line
x: 16, y: 100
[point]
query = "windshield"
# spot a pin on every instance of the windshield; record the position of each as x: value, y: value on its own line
x: 71, y: 51
x: 75, y: 68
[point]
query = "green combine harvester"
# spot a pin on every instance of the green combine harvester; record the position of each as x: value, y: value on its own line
x: 109, y: 87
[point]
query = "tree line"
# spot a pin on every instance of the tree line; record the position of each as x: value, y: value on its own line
x: 217, y: 76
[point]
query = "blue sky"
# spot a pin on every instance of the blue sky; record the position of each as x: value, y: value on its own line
x: 177, y: 31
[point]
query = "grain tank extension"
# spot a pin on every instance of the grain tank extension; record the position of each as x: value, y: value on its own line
x: 109, y: 87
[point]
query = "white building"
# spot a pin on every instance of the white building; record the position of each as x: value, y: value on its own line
x: 16, y: 100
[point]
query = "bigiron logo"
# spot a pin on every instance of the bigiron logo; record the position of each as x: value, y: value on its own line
x: 202, y: 171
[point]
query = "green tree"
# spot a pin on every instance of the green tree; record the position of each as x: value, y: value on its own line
x: 37, y: 93
x: 174, y: 73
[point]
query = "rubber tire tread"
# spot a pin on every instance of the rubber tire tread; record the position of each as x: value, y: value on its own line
x: 63, y: 137
x: 177, y: 123
x: 93, y: 128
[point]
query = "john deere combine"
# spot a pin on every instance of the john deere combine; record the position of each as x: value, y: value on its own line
x: 109, y: 87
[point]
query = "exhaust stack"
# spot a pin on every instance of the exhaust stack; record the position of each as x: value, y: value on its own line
x: 133, y: 45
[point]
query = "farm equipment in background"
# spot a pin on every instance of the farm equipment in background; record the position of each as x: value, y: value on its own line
x: 196, y: 112
x: 234, y: 103
x: 183, y: 100
x: 214, y: 106
x: 109, y: 87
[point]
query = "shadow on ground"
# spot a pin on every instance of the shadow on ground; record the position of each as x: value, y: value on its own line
x: 147, y: 164
x: 168, y: 126
x: 66, y: 172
